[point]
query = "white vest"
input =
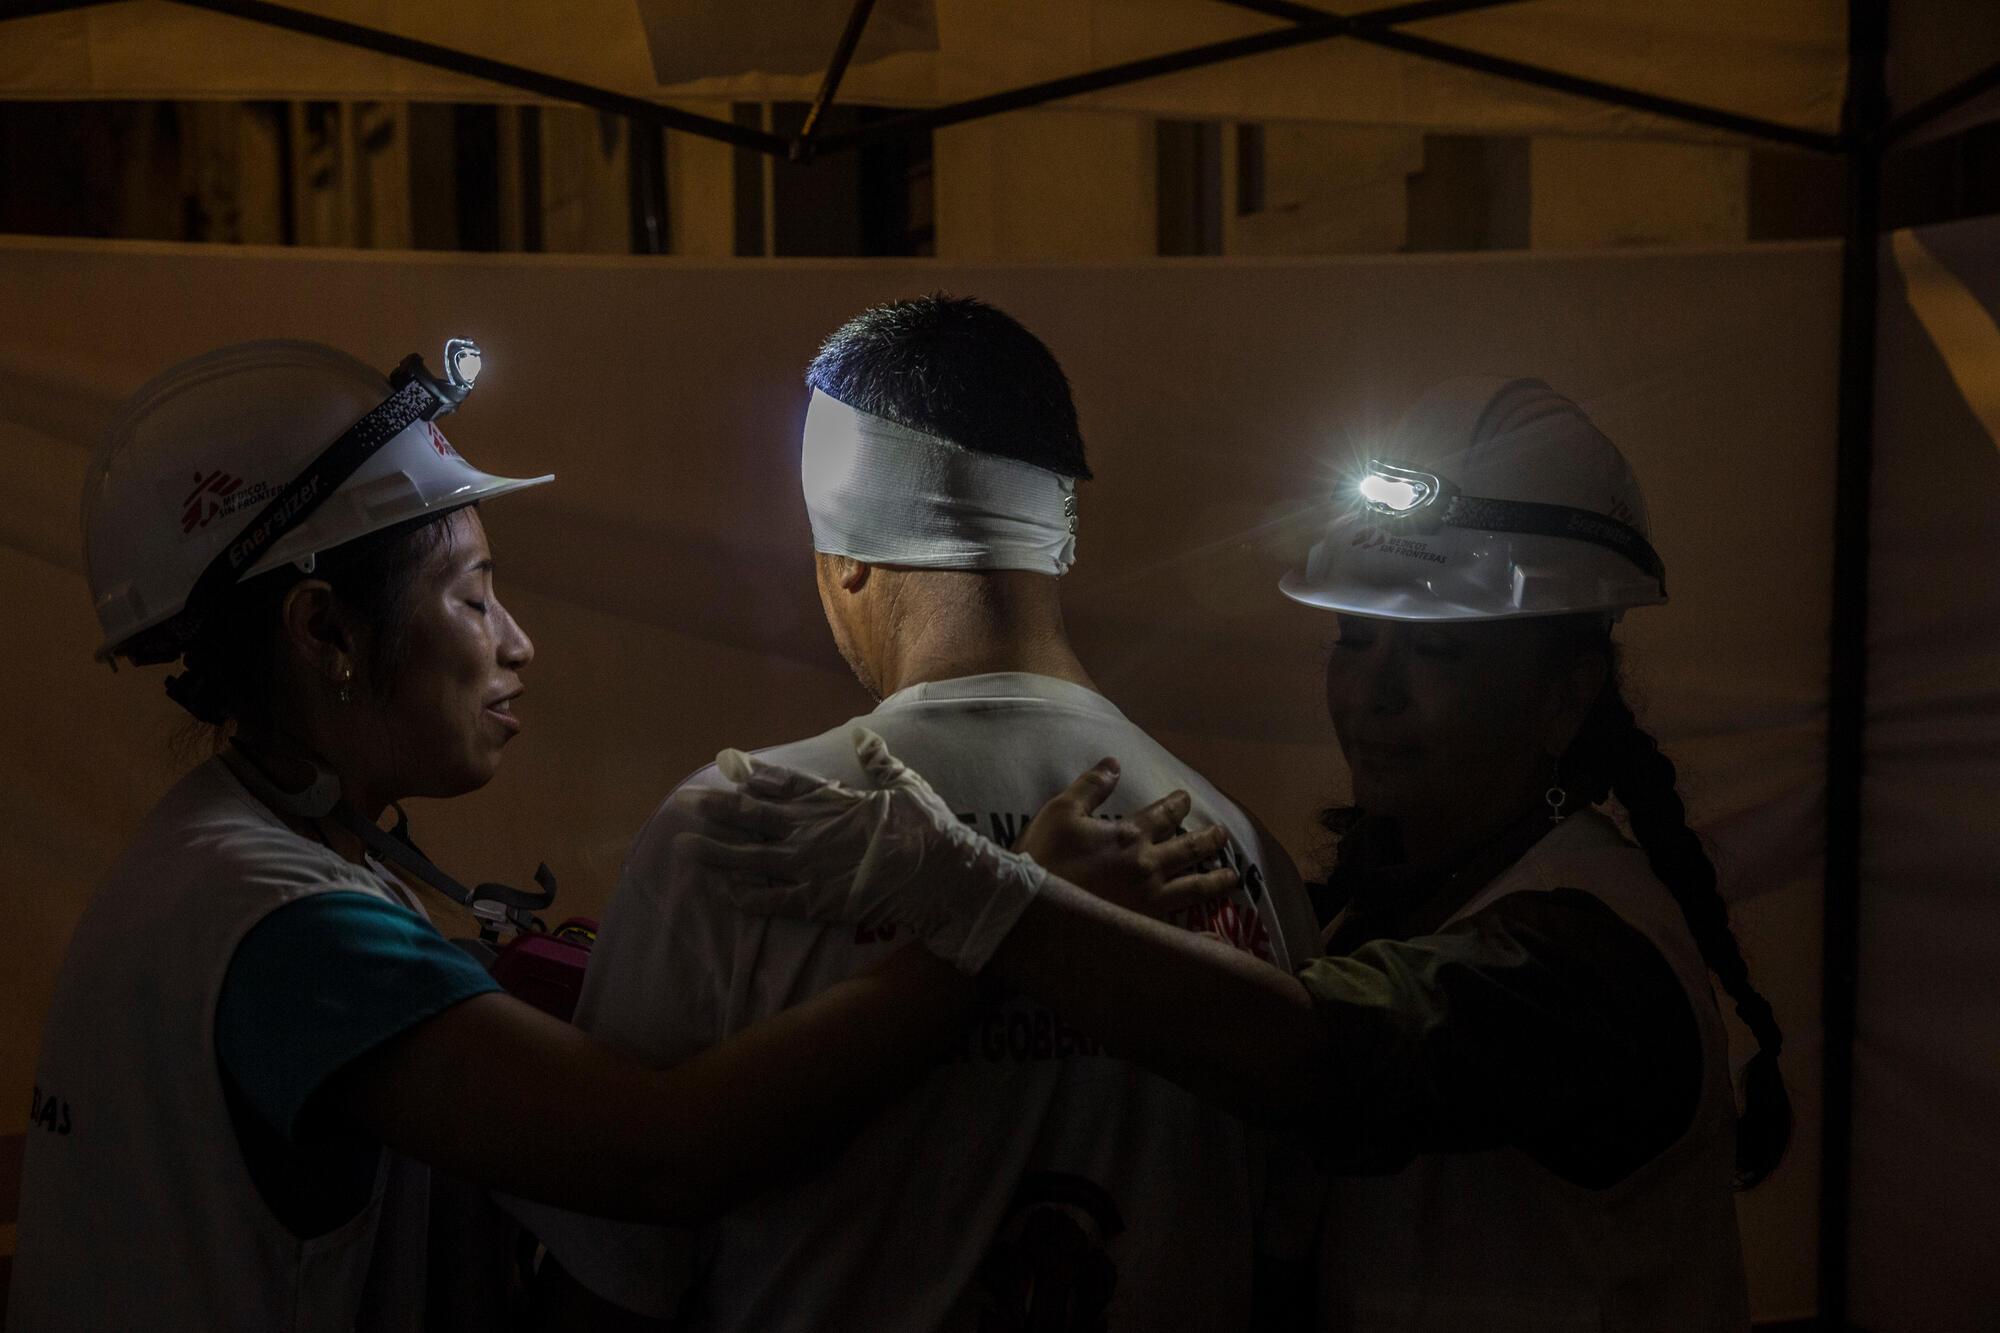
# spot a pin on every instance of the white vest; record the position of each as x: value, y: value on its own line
x: 1496, y: 1242
x: 137, y: 1211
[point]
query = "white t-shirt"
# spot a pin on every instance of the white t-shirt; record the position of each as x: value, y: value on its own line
x: 137, y: 1210
x: 1027, y: 1159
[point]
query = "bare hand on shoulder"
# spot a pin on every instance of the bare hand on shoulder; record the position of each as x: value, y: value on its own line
x: 1143, y: 861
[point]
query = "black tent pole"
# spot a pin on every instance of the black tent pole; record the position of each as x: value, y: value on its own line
x: 1376, y: 26
x: 1932, y: 108
x: 1373, y: 29
x: 1596, y: 90
x: 1326, y: 27
x: 28, y: 9
x: 508, y: 75
x: 836, y: 69
x: 1865, y: 111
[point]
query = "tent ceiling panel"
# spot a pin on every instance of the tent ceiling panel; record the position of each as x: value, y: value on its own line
x: 1782, y: 60
x: 1934, y: 46
x: 151, y: 48
x: 691, y: 39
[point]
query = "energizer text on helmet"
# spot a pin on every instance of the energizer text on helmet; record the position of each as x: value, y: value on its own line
x: 882, y: 493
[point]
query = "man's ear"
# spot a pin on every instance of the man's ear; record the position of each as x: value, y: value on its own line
x: 315, y: 631
x: 850, y: 574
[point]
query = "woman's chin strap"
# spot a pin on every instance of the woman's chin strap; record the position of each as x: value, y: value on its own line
x: 321, y: 800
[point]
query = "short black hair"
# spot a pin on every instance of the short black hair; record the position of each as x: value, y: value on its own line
x: 956, y: 367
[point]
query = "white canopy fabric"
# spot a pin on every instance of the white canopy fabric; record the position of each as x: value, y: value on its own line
x: 1782, y: 60
x: 1933, y: 45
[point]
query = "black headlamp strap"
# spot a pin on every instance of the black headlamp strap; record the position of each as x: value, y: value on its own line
x: 1546, y: 520
x: 311, y: 489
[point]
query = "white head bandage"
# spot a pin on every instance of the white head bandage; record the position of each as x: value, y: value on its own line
x: 889, y: 495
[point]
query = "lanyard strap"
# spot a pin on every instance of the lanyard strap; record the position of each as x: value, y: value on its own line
x: 396, y: 845
x: 322, y: 800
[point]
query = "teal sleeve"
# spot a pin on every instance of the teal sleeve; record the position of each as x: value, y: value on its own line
x: 322, y: 981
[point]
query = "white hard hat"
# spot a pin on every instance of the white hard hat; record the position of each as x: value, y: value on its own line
x: 201, y: 453
x: 1492, y: 498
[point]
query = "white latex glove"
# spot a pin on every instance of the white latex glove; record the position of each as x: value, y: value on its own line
x: 791, y: 844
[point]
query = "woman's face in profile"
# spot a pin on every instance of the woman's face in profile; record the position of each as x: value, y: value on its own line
x: 1439, y: 717
x: 450, y: 711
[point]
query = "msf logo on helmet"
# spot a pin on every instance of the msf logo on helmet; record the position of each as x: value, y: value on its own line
x: 1387, y: 542
x: 208, y: 500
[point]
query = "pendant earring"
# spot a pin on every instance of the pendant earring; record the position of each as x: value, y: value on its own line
x: 1556, y: 796
x: 345, y: 694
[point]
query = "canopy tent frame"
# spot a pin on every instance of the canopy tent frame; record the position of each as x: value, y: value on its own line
x: 1868, y: 133
x: 1937, y: 106
x: 1379, y: 27
x: 836, y: 69
x: 1864, y: 115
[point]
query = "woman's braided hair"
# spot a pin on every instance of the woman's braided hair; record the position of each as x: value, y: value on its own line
x: 1613, y: 756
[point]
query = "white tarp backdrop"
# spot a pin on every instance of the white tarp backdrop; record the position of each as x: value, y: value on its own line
x: 665, y: 576
x: 1927, y: 1080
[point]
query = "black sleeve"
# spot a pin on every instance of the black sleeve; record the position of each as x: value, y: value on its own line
x: 1544, y: 1022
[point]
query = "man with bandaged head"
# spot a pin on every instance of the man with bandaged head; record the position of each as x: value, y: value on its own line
x: 1512, y: 1059
x: 1030, y: 1179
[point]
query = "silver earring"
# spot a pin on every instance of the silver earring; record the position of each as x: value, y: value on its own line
x: 345, y: 694
x: 1556, y: 796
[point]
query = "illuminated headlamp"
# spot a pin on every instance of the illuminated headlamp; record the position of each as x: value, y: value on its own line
x: 462, y: 363
x: 1420, y: 498
x: 1425, y: 502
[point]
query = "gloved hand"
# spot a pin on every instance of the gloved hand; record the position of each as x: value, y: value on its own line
x: 799, y: 845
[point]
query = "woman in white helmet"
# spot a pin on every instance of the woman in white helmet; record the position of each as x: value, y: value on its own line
x: 258, y: 1045
x: 1511, y: 1057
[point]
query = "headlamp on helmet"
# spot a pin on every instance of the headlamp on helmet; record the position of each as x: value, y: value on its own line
x: 1491, y: 497
x: 462, y: 364
x: 1424, y: 502
x: 1421, y: 498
